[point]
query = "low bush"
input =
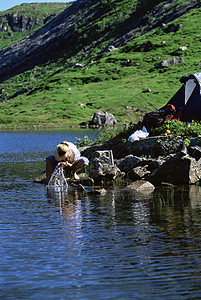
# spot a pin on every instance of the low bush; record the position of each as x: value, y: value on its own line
x: 179, y: 128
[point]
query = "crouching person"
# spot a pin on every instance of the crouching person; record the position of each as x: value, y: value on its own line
x: 67, y: 155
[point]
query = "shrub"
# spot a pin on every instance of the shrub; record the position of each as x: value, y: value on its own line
x: 85, y: 141
x: 179, y: 128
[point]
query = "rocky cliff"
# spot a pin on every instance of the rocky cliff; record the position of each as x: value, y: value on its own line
x: 18, y: 22
x: 28, y: 16
x: 62, y: 34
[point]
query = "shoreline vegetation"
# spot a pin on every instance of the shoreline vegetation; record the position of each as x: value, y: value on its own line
x: 107, y: 133
x: 56, y: 127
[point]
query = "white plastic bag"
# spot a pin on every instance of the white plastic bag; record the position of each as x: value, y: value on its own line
x: 138, y: 135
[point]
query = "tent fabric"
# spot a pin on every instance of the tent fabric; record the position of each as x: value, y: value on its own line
x: 188, y: 98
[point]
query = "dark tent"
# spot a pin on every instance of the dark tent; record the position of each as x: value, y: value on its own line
x: 187, y: 100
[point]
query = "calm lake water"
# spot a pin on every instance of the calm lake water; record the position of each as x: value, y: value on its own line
x: 71, y: 245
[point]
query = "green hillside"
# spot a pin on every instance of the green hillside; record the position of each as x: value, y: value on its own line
x: 68, y: 91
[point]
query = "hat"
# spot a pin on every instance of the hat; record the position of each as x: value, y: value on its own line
x: 60, y: 150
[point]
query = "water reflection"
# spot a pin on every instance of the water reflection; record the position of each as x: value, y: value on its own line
x: 174, y: 213
x: 124, y: 238
x: 66, y: 244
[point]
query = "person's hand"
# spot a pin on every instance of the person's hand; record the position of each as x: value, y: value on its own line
x: 65, y: 164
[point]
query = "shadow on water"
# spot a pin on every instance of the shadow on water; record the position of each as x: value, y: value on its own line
x: 178, y: 211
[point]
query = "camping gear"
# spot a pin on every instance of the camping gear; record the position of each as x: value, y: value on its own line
x: 187, y: 100
x: 157, y: 118
x: 57, y: 178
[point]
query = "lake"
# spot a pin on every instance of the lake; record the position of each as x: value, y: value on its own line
x: 73, y: 245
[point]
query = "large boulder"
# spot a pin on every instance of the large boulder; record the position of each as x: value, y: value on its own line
x: 103, y: 118
x: 179, y: 170
x: 136, y: 168
x: 102, y: 167
x: 155, y: 146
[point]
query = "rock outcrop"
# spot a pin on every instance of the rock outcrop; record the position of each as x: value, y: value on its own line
x: 20, y: 23
x: 25, y: 17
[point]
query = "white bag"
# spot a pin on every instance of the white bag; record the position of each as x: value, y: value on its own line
x: 138, y: 135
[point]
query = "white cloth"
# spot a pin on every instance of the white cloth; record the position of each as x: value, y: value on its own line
x: 74, y: 149
x: 138, y: 135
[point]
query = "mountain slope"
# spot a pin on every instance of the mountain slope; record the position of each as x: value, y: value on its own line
x: 78, y: 27
x: 85, y: 76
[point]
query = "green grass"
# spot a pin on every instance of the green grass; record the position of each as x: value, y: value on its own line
x: 107, y: 82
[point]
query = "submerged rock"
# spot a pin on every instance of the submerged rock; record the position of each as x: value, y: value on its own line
x: 140, y: 186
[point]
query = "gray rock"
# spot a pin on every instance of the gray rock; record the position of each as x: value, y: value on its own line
x: 102, y: 168
x: 195, y: 141
x: 77, y: 65
x: 155, y: 146
x: 172, y: 27
x: 138, y: 173
x: 182, y: 48
x: 195, y: 151
x: 148, y: 90
x: 140, y: 186
x: 100, y: 192
x: 144, y: 168
x: 111, y: 48
x: 127, y: 163
x: 89, y: 151
x: 101, y: 118
x: 173, y: 61
x: 179, y: 170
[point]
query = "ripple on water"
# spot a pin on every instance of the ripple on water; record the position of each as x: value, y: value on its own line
x: 72, y: 245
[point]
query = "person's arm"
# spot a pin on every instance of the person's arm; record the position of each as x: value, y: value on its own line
x: 66, y: 164
x: 49, y: 170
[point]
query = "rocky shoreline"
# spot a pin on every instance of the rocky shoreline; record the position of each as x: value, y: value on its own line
x: 140, y: 165
x: 147, y: 163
